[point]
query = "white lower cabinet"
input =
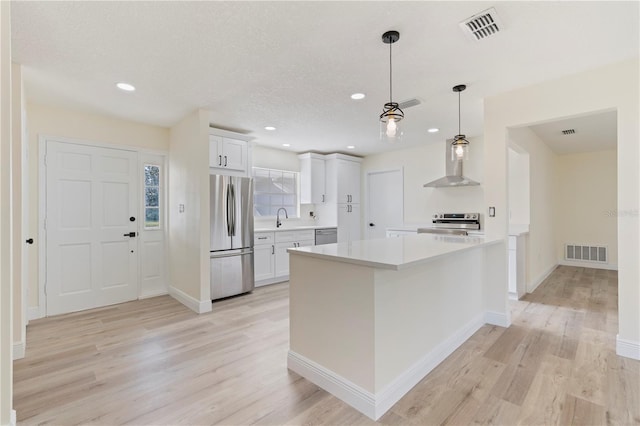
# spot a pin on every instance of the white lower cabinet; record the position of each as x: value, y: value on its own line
x: 271, y: 260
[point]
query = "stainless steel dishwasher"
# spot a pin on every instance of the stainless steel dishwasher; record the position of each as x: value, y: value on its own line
x: 326, y: 236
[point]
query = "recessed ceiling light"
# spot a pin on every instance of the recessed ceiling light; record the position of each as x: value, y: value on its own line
x: 126, y: 87
x: 286, y: 144
x: 433, y: 130
x: 269, y: 128
x: 351, y: 147
x: 358, y: 96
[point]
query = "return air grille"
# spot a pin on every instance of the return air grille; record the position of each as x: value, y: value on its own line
x: 568, y: 132
x: 482, y: 25
x: 586, y: 253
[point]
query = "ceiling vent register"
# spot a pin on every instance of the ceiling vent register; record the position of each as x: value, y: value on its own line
x: 482, y: 25
x: 568, y: 132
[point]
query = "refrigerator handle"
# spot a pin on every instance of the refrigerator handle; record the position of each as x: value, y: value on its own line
x: 228, y: 211
x: 233, y: 210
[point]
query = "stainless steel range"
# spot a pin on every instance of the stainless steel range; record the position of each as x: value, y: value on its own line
x: 453, y: 224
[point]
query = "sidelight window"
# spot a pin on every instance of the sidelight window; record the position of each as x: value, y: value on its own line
x: 151, y: 196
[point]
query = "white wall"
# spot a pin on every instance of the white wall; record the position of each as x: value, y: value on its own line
x: 6, y: 301
x: 189, y: 242
x: 19, y: 302
x: 83, y: 126
x: 519, y: 187
x: 543, y: 180
x: 426, y: 163
x: 586, y: 201
x: 613, y: 87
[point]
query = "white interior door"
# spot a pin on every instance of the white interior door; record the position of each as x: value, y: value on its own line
x: 385, y: 201
x: 91, y: 196
x: 153, y: 225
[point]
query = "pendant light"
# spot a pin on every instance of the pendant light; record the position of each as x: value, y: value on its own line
x: 391, y: 114
x: 460, y: 144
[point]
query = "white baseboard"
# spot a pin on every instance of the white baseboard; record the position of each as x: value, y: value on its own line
x: 197, y: 306
x: 270, y: 281
x: 375, y: 405
x: 150, y: 294
x: 627, y: 348
x: 536, y: 282
x: 18, y: 350
x: 593, y: 265
x: 497, y: 318
x: 34, y: 313
x: 12, y: 418
x: 357, y: 397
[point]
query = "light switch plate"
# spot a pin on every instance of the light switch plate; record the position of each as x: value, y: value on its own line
x: 492, y: 212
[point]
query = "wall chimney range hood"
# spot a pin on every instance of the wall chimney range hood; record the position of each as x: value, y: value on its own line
x: 454, y: 171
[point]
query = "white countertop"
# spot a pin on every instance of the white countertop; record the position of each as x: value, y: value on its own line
x: 292, y: 228
x: 395, y: 253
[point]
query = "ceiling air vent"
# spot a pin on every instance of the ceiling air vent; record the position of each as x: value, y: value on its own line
x: 482, y: 25
x: 409, y: 103
x: 569, y: 132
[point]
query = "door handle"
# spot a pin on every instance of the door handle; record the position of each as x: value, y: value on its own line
x: 372, y: 224
x: 29, y: 241
x: 219, y: 160
x: 130, y: 234
x: 225, y: 161
x: 273, y: 249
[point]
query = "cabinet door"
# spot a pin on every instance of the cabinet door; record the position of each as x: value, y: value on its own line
x: 264, y: 262
x: 348, y: 181
x: 354, y: 222
x: 317, y: 181
x: 234, y: 154
x: 343, y: 223
x: 282, y: 258
x: 215, y: 151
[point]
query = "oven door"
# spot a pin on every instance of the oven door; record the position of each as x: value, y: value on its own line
x: 442, y: 231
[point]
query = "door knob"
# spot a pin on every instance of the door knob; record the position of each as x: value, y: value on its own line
x: 372, y: 224
x: 132, y: 219
x: 130, y: 234
x: 29, y: 241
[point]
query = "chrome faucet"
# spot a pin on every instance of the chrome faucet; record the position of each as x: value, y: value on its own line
x: 278, y: 223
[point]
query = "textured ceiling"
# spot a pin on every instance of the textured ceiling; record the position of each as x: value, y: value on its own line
x: 293, y: 65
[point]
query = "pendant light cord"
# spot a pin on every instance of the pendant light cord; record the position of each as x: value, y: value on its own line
x: 458, y: 112
x: 390, y: 74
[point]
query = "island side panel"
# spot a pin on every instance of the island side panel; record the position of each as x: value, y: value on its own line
x: 420, y: 310
x: 496, y: 289
x: 331, y: 310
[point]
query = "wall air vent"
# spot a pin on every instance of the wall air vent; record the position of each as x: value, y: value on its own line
x: 569, y: 132
x: 586, y: 253
x: 482, y: 25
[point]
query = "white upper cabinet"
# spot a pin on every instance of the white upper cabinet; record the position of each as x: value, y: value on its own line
x: 312, y: 178
x: 342, y: 179
x: 228, y: 155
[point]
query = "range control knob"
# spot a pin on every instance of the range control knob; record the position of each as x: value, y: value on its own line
x: 466, y: 216
x: 435, y: 216
x: 473, y: 216
x: 441, y: 216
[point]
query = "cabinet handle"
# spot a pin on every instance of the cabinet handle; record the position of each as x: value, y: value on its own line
x: 273, y: 249
x: 262, y: 238
x: 219, y: 160
x: 323, y: 198
x: 225, y: 161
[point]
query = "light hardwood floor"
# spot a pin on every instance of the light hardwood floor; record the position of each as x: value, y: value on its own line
x: 156, y: 362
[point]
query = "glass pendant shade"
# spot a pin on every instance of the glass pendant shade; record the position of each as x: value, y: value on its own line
x: 459, y: 148
x: 390, y: 129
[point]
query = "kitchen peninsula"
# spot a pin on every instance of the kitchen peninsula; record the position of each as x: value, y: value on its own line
x: 369, y: 319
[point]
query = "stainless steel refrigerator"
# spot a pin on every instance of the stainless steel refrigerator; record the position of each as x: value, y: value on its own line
x: 231, y: 236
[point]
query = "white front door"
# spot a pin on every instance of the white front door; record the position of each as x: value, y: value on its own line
x: 91, y: 211
x: 385, y: 202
